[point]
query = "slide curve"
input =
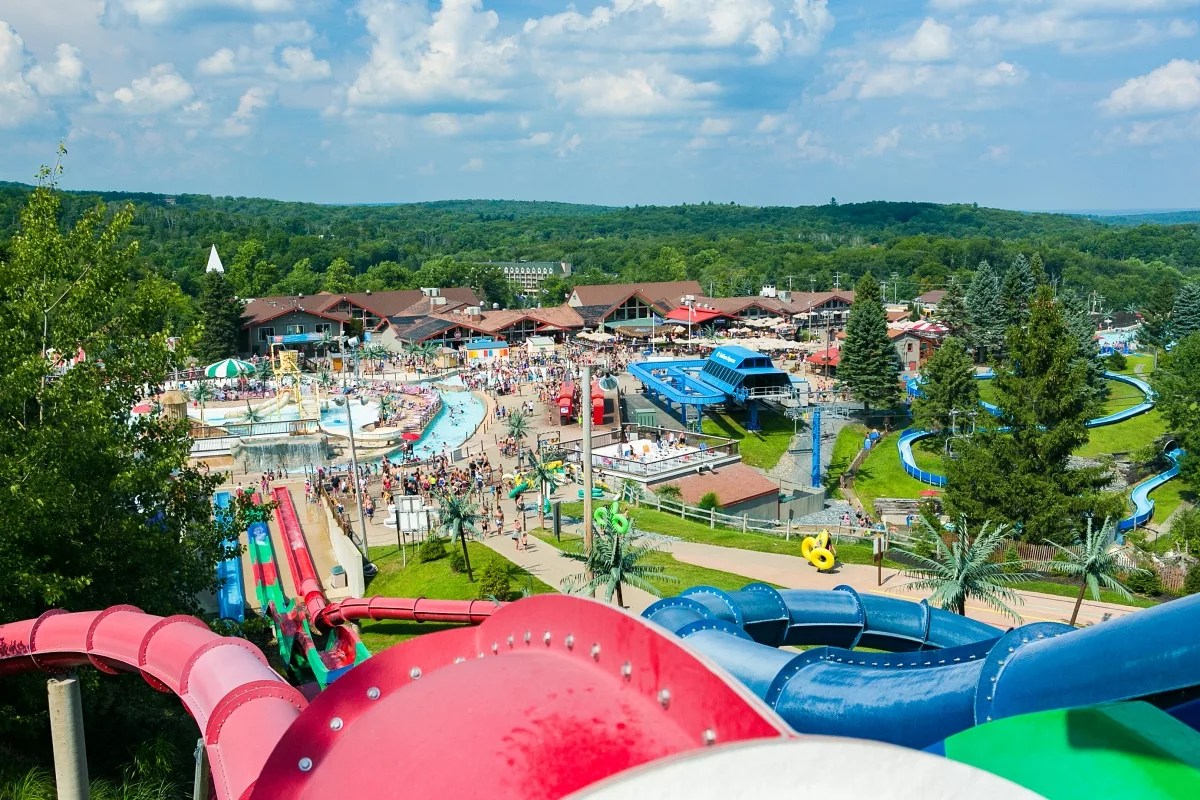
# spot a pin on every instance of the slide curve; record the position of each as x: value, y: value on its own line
x: 945, y: 673
x: 1143, y: 505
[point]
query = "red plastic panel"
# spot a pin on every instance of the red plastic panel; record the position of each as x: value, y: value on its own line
x: 549, y: 695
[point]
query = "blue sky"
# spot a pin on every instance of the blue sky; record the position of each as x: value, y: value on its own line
x: 1038, y: 104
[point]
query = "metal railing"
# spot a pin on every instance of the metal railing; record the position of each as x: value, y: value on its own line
x: 215, y: 439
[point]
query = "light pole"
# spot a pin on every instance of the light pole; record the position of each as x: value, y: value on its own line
x: 358, y: 488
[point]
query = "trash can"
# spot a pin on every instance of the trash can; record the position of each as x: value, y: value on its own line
x: 645, y: 418
x: 337, y: 578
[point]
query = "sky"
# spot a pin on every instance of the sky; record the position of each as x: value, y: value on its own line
x: 1030, y: 104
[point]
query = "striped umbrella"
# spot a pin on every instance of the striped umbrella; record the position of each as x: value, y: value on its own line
x: 229, y: 368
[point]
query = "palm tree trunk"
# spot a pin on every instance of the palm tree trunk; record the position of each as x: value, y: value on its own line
x: 961, y: 607
x: 462, y: 537
x: 1078, y: 602
x: 620, y: 597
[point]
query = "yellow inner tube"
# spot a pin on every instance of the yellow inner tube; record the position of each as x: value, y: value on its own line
x: 823, y: 539
x: 821, y: 558
x: 808, y: 545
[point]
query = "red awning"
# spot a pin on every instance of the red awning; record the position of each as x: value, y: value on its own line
x: 823, y: 358
x: 698, y: 316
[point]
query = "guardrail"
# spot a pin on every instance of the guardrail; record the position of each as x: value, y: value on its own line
x: 214, y: 440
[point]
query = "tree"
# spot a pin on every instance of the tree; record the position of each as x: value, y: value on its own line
x: 202, y: 393
x: 518, y: 425
x: 490, y: 284
x: 1185, y: 530
x: 1091, y: 563
x: 1156, y: 315
x: 539, y: 474
x: 1078, y: 320
x: 338, y: 278
x: 614, y: 560
x: 952, y: 310
x: 301, y: 279
x: 985, y: 325
x: 1185, y: 316
x: 964, y: 570
x: 1016, y: 290
x: 458, y: 517
x: 1021, y: 475
x: 948, y: 388
x: 102, y: 508
x: 869, y: 365
x: 1177, y: 383
x: 222, y: 318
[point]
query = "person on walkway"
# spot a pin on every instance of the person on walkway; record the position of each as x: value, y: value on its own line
x: 517, y: 533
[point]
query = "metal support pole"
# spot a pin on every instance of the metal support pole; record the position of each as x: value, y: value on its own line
x: 66, y: 735
x: 358, y: 489
x: 587, y: 465
x: 200, y: 783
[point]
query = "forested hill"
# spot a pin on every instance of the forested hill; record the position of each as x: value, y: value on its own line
x: 284, y: 247
x: 1152, y: 218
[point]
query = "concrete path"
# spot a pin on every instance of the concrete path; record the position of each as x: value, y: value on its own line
x: 795, y: 572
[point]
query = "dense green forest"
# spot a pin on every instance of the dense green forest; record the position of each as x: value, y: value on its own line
x: 281, y: 247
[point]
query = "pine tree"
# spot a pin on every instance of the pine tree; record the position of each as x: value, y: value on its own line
x: 869, y: 365
x: 952, y: 310
x: 1079, y: 323
x: 1037, y: 270
x: 1015, y: 291
x: 1185, y: 317
x: 221, y: 314
x: 948, y: 389
x: 1156, y: 315
x: 1021, y: 475
x: 984, y: 323
x: 338, y: 278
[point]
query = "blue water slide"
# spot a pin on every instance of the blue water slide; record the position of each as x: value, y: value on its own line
x: 231, y: 592
x: 952, y: 672
x: 1143, y: 504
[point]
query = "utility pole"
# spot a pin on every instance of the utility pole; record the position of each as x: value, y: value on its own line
x: 789, y: 277
x: 812, y: 285
x: 66, y: 735
x: 586, y: 380
x: 895, y: 287
x: 837, y: 281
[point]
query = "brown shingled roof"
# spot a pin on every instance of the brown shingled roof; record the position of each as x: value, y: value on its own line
x: 733, y: 483
x: 613, y: 294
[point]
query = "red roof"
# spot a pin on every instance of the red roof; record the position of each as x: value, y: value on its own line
x: 732, y: 483
x: 695, y: 315
x: 829, y: 357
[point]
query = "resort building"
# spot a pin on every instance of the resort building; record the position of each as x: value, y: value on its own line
x: 635, y: 305
x: 530, y: 274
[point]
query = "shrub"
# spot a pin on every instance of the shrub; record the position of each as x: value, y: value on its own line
x: 1116, y: 361
x: 1191, y: 584
x: 709, y: 500
x: 431, y: 549
x: 1144, y: 582
x: 457, y: 562
x: 495, y: 580
x: 668, y: 491
x: 1012, y: 559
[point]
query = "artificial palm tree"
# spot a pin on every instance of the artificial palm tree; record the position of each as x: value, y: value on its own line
x: 253, y: 415
x: 458, y: 518
x: 1092, y: 564
x: 537, y: 472
x: 964, y: 569
x: 202, y: 393
x: 518, y: 425
x: 615, y: 559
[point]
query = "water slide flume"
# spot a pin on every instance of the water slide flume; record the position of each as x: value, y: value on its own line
x: 231, y: 592
x: 1143, y: 505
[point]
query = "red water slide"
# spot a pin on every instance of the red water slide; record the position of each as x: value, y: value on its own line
x: 239, y: 703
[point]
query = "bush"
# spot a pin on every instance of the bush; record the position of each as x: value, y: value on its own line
x: 709, y: 500
x: 1191, y: 584
x: 457, y: 562
x: 1144, y: 582
x: 431, y: 549
x: 668, y: 491
x: 1012, y: 559
x: 1116, y: 361
x: 495, y: 580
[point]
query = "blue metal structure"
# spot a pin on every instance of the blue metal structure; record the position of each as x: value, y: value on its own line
x: 816, y: 447
x: 731, y: 374
x: 231, y: 592
x: 944, y: 674
x: 1143, y: 506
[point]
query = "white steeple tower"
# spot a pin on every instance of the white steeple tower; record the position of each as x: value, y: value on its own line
x: 214, y: 261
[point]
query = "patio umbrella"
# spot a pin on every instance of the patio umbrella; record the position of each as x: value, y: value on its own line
x: 409, y: 436
x: 229, y: 368
x: 929, y: 493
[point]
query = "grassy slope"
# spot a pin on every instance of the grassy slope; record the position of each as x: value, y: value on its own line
x: 761, y: 449
x: 845, y: 448
x: 882, y: 475
x: 432, y: 579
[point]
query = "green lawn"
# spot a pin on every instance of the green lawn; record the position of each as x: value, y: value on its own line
x: 1067, y: 590
x: 1168, y: 497
x: 648, y: 519
x: 882, y: 475
x: 845, y: 448
x: 1144, y: 360
x: 685, y: 575
x: 761, y: 449
x: 1124, y: 437
x: 432, y: 579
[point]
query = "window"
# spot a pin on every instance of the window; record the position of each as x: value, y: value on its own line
x: 265, y: 334
x: 323, y: 327
x: 291, y: 330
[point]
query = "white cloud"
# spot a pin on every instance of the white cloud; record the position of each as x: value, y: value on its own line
x: 769, y: 123
x: 219, y: 63
x: 273, y: 33
x: 154, y: 12
x: 16, y: 95
x: 1175, y: 86
x: 1147, y: 133
x: 930, y: 42
x: 161, y: 90
x: 713, y: 126
x: 442, y: 124
x: 539, y: 139
x: 1081, y: 29
x: 472, y: 165
x: 997, y: 152
x: 300, y: 65
x: 866, y: 81
x: 241, y: 121
x: 454, y: 55
x: 64, y: 76
x: 811, y: 147
x: 884, y: 143
x: 568, y: 145
x: 633, y: 93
